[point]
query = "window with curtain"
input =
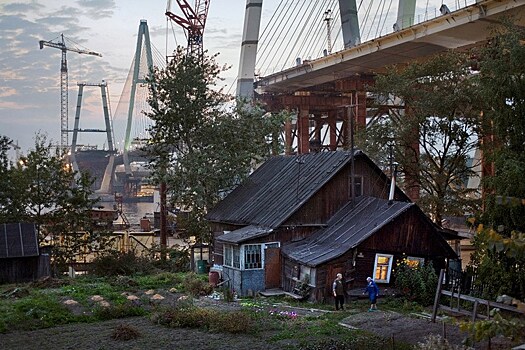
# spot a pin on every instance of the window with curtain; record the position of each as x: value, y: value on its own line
x: 383, y: 267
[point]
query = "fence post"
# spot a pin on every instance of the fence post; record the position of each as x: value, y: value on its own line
x: 438, y: 294
x: 474, y: 311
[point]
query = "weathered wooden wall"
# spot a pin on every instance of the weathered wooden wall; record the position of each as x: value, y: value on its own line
x: 26, y: 269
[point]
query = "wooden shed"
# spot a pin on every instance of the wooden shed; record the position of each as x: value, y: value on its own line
x: 20, y: 260
x: 289, y: 201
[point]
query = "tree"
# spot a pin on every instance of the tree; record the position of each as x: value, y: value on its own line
x: 502, y: 84
x: 499, y: 257
x: 429, y: 119
x: 201, y: 147
x: 45, y: 190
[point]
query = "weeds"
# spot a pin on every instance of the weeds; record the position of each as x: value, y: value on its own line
x: 125, y: 332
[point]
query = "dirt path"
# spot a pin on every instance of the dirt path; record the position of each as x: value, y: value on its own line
x: 97, y: 336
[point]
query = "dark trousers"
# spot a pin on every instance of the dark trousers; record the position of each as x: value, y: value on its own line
x: 339, y: 301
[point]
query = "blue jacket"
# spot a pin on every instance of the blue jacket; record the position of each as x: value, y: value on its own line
x: 372, y: 289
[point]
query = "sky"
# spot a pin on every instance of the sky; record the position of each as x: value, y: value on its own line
x: 30, y: 77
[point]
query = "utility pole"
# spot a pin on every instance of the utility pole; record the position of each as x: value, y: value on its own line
x: 328, y: 20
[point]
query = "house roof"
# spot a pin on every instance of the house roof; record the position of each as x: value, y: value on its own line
x: 346, y: 230
x: 279, y: 187
x: 244, y: 234
x: 18, y: 240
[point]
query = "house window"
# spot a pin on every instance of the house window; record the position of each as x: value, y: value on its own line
x: 232, y: 256
x: 358, y: 184
x: 414, y: 262
x: 383, y: 267
x: 252, y: 256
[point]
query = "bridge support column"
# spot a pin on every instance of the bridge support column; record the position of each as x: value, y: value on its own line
x: 332, y: 125
x: 349, y: 23
x: 303, y: 130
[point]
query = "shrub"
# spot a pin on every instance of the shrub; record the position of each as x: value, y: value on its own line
x: 196, y: 285
x: 416, y: 283
x: 195, y: 317
x: 116, y: 263
x: 118, y: 311
x: 435, y: 342
x: 125, y: 332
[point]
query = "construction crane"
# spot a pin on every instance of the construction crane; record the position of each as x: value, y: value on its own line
x: 193, y: 22
x: 61, y: 45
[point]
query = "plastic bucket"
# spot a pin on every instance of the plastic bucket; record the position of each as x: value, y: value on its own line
x: 213, y: 278
x: 202, y: 266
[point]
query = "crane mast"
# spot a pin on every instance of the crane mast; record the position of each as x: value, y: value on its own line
x: 61, y: 45
x: 193, y: 22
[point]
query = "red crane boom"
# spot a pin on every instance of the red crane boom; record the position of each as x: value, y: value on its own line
x: 193, y: 22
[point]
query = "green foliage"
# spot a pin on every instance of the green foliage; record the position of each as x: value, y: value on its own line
x: 496, y: 326
x: 201, y: 147
x: 115, y: 263
x: 118, y: 311
x: 197, y: 285
x: 502, y: 84
x: 416, y: 283
x: 38, y: 310
x: 499, y: 264
x: 213, y: 320
x: 432, y: 111
x: 42, y: 188
x: 435, y: 342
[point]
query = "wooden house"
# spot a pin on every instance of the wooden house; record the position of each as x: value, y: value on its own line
x: 20, y: 259
x: 296, y: 217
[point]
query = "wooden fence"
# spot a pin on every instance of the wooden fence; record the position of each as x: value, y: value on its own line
x: 457, y: 299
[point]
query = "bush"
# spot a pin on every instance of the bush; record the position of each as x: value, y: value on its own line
x: 194, y: 317
x: 125, y: 332
x: 115, y: 263
x: 435, y: 342
x: 196, y: 285
x: 118, y: 311
x: 417, y: 283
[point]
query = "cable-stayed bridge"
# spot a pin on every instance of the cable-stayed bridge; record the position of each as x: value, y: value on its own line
x: 316, y: 58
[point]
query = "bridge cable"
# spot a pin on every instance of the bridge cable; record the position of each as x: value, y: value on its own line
x: 262, y: 52
x: 317, y: 38
x: 318, y: 28
x: 294, y: 34
x: 300, y: 52
x: 278, y: 38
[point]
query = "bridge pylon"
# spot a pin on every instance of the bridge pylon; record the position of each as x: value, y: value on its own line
x: 138, y: 78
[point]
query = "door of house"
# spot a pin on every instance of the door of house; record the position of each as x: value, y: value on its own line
x: 272, y: 267
x: 332, y: 271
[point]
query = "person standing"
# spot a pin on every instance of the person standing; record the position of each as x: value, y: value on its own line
x: 373, y: 293
x: 339, y: 293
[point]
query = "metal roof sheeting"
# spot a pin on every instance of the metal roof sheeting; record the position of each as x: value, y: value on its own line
x: 244, y: 234
x: 346, y: 229
x: 18, y: 240
x: 278, y: 188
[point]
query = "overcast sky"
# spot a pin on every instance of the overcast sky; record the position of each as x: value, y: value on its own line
x: 30, y: 77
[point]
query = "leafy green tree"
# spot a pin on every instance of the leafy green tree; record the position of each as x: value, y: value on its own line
x: 499, y: 264
x: 45, y: 190
x: 5, y: 165
x: 502, y: 84
x: 428, y: 117
x: 200, y: 146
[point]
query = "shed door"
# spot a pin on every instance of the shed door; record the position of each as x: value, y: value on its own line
x: 272, y: 267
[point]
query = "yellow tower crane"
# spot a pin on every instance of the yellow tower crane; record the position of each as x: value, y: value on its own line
x: 61, y: 45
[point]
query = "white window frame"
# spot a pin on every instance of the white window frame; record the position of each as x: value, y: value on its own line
x: 389, y: 271
x: 229, y: 251
x: 244, y: 249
